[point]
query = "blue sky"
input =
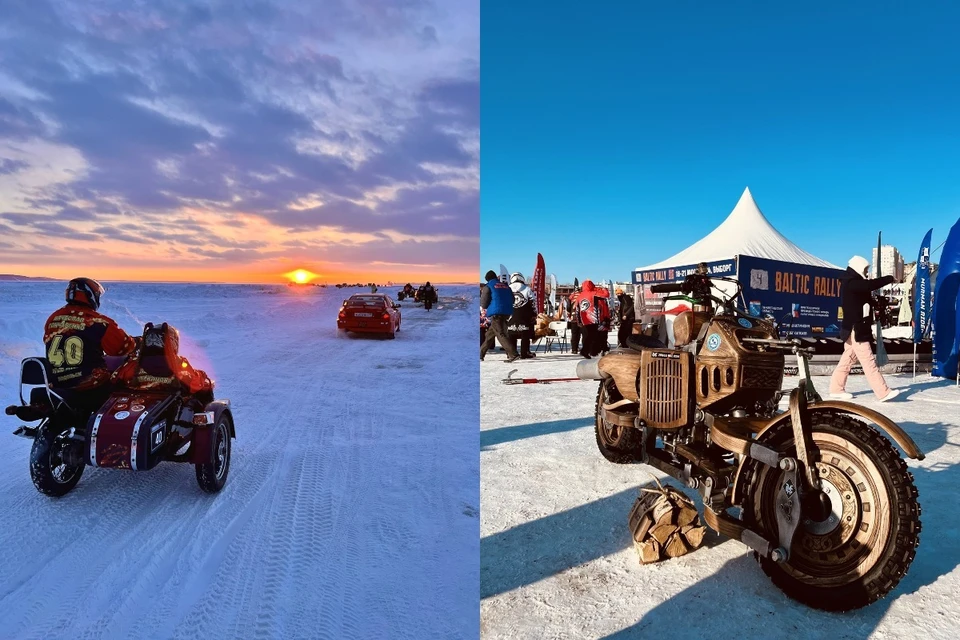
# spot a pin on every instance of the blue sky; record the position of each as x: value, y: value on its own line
x: 615, y: 138
x: 224, y: 140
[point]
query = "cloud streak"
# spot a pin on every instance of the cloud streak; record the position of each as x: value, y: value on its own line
x: 257, y: 133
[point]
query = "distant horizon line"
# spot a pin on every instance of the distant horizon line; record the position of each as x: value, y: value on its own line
x: 13, y: 277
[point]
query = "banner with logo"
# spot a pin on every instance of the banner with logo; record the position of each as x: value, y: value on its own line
x: 725, y: 268
x: 921, y: 296
x: 804, y: 300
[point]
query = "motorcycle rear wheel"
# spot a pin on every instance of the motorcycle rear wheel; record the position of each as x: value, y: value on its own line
x: 618, y: 444
x: 865, y: 547
x: 50, y: 474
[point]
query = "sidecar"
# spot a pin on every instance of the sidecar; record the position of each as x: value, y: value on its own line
x: 132, y: 429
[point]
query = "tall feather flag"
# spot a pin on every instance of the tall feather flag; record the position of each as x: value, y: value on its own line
x: 539, y: 282
x: 921, y: 295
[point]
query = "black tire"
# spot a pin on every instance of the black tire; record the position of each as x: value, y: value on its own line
x: 839, y: 568
x: 50, y: 475
x: 211, y: 476
x: 620, y: 445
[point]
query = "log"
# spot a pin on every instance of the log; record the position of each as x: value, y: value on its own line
x: 663, y: 511
x: 694, y: 535
x: 675, y: 546
x: 649, y: 551
x: 687, y: 515
x: 662, y: 532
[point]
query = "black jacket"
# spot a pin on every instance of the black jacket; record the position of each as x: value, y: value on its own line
x: 627, y: 313
x: 856, y: 291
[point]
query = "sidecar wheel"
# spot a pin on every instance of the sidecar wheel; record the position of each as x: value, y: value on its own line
x: 50, y: 474
x: 864, y: 548
x: 620, y: 445
x: 211, y: 476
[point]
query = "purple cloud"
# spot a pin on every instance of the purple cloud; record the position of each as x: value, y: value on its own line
x: 248, y: 108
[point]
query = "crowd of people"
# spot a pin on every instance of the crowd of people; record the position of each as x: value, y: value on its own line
x: 508, y: 315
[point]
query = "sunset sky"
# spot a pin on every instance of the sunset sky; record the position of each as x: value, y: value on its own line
x: 238, y: 141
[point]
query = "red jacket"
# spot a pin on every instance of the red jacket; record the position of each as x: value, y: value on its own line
x: 133, y: 375
x: 76, y: 338
x: 593, y: 306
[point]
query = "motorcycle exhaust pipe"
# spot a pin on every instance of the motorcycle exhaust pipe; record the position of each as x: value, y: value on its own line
x: 589, y: 369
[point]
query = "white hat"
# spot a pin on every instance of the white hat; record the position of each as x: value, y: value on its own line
x: 859, y: 264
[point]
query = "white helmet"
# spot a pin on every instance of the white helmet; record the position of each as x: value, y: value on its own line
x: 515, y: 277
x: 859, y: 264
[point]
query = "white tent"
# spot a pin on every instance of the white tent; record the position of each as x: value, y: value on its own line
x: 746, y: 231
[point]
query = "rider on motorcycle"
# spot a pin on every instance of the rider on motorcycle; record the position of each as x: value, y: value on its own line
x: 76, y: 338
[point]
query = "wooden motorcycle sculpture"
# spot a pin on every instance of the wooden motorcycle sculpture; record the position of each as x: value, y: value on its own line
x: 821, y: 496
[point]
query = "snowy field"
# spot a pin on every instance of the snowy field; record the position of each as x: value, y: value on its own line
x: 351, y: 509
x: 557, y: 559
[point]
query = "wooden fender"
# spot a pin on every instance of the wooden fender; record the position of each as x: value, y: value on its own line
x: 891, y: 428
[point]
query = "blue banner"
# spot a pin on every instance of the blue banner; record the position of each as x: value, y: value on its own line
x: 725, y: 268
x: 946, y: 340
x: 921, y: 295
x: 803, y: 299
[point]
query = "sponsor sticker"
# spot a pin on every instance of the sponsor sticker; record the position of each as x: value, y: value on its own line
x: 713, y: 342
x: 123, y: 400
x: 745, y: 323
x: 120, y: 406
x: 122, y: 415
x: 137, y: 408
x: 665, y: 354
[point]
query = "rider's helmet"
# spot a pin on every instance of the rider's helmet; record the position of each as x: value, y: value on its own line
x: 86, y: 291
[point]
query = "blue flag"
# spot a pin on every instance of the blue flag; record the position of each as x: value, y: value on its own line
x: 921, y: 296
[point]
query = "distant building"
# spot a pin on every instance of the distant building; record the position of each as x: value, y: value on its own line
x: 891, y: 263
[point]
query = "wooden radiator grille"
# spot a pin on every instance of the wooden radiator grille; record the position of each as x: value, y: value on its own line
x: 665, y: 397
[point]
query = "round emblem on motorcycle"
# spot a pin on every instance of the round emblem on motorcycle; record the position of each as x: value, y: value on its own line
x: 120, y: 405
x: 122, y: 415
x: 137, y: 408
x: 745, y: 323
x: 713, y: 342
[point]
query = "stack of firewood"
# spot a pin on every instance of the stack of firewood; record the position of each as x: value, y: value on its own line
x: 664, y: 524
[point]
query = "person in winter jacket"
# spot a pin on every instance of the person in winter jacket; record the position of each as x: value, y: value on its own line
x: 855, y: 331
x: 627, y: 317
x: 523, y: 321
x: 573, y: 319
x: 594, y: 313
x: 497, y: 298
x: 429, y: 296
x: 158, y: 366
x: 76, y: 338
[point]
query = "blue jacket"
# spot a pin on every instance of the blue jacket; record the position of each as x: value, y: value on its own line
x: 501, y: 298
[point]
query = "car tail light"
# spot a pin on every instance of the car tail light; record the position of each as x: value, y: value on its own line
x: 342, y: 315
x: 386, y: 316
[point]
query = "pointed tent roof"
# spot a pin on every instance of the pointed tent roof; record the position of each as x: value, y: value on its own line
x: 746, y: 231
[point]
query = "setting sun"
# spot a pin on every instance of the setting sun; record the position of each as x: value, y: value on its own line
x: 300, y: 276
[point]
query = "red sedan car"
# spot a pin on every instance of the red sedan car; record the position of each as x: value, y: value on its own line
x: 370, y: 313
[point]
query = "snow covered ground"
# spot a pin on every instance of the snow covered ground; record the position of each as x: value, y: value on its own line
x: 351, y: 510
x: 556, y: 556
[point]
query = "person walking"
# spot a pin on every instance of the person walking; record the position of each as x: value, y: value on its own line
x: 497, y: 298
x: 855, y: 296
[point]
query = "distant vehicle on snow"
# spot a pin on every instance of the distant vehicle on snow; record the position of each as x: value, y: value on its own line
x: 370, y: 313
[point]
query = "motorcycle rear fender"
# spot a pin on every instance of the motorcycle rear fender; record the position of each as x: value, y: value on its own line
x: 888, y: 426
x: 203, y: 436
